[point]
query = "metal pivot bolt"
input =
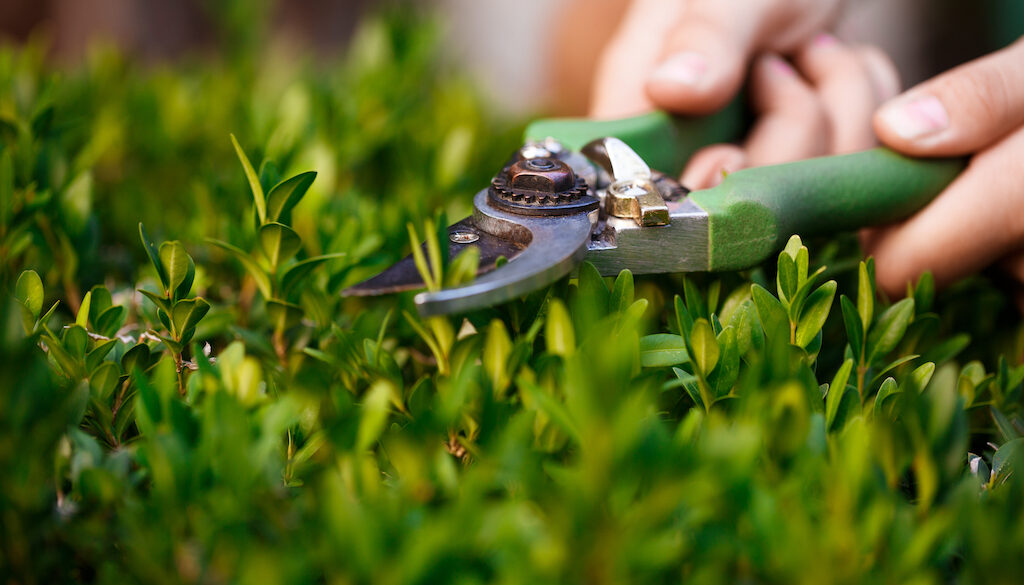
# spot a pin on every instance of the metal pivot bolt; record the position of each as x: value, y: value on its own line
x: 632, y: 193
x: 545, y: 175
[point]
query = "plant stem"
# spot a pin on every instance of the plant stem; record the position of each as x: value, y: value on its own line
x: 861, y: 371
x: 179, y: 364
x: 280, y: 346
x: 119, y: 400
x: 705, y: 392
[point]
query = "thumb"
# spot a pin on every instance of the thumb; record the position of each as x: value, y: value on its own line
x: 707, y: 53
x: 959, y: 112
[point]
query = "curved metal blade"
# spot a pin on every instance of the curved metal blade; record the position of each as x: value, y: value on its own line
x: 403, y: 275
x: 555, y: 245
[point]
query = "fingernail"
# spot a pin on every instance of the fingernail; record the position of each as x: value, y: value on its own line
x: 916, y: 118
x: 686, y: 68
x: 825, y: 40
x: 780, y: 66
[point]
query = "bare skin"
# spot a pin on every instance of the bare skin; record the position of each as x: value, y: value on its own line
x: 815, y: 95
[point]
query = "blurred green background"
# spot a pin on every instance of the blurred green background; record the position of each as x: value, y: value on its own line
x: 555, y: 439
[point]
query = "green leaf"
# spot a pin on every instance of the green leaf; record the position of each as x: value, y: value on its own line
x: 154, y: 256
x: 82, y: 319
x: 104, y: 380
x: 793, y: 246
x: 888, y: 388
x: 662, y: 350
x: 591, y: 299
x: 786, y: 280
x: 69, y: 365
x: 435, y: 234
x: 893, y: 365
x: 283, y: 315
x: 176, y: 260
x: 136, y: 357
x: 420, y: 260
x: 690, y: 384
x: 694, y: 300
x: 744, y: 322
x: 921, y: 375
x: 558, y: 330
x: 161, y: 303
x: 497, y: 348
x: 554, y: 409
x: 110, y: 321
x: 854, y: 326
x: 76, y: 341
x: 29, y: 292
x: 294, y: 275
x: 803, y: 260
x: 6, y: 187
x: 948, y: 349
x: 769, y: 309
x: 622, y: 292
x: 254, y: 269
x: 729, y: 363
x: 1003, y: 425
x: 704, y: 347
x: 836, y: 390
x: 1005, y: 458
x: 101, y: 301
x: 100, y: 350
x: 865, y: 295
x: 185, y: 286
x: 187, y: 314
x: 278, y: 243
x: 814, y: 313
x: 254, y: 181
x: 924, y: 292
x: 287, y: 194
x: 374, y: 412
x: 683, y: 319
x: 463, y: 268
x: 889, y: 329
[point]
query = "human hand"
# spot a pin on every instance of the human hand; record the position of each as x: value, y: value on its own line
x: 691, y: 57
x: 976, y: 109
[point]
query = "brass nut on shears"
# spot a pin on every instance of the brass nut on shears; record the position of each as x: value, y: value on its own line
x: 638, y: 199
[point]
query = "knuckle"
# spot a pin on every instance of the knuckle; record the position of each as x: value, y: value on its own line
x: 988, y: 95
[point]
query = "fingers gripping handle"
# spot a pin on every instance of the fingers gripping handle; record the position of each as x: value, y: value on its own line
x: 753, y: 212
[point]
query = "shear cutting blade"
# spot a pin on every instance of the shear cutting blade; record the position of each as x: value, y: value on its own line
x: 403, y: 275
x: 540, y: 249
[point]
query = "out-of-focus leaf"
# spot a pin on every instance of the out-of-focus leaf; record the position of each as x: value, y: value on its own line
x: 497, y: 348
x: 154, y: 256
x: 865, y: 295
x: 662, y: 350
x: 836, y: 390
x: 769, y: 309
x: 558, y: 330
x: 814, y: 313
x: 254, y: 270
x: 278, y: 243
x: 704, y: 347
x: 889, y: 329
x: 176, y: 260
x: 254, y: 181
x: 287, y: 194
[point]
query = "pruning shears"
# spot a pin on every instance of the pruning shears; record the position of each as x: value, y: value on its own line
x: 588, y: 190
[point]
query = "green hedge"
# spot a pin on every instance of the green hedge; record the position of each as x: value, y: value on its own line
x: 201, y: 406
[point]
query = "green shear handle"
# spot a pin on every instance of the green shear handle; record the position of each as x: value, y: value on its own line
x: 754, y: 211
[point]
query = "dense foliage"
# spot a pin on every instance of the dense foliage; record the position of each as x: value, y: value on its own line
x: 208, y: 409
